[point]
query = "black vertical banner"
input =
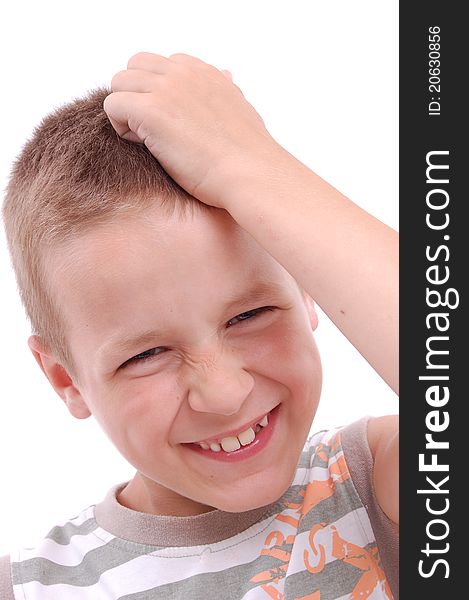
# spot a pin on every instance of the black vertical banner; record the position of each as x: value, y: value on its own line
x: 433, y: 298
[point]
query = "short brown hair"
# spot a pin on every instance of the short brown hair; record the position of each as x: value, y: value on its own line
x: 74, y: 172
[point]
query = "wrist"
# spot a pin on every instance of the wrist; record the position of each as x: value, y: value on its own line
x: 249, y: 180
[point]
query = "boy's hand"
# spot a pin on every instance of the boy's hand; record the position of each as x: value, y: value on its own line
x: 191, y: 117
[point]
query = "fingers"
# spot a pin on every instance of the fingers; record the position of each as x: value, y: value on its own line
x: 118, y: 107
x: 182, y: 58
x: 160, y: 64
x: 155, y: 63
x: 132, y: 88
x: 147, y: 61
x: 134, y: 80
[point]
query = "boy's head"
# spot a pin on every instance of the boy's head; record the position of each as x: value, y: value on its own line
x: 161, y: 317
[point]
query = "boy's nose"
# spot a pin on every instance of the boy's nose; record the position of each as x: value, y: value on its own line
x: 220, y: 387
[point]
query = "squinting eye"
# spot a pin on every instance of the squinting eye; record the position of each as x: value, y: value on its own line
x: 250, y: 314
x: 144, y: 356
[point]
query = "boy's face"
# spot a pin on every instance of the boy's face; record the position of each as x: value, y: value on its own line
x: 163, y: 325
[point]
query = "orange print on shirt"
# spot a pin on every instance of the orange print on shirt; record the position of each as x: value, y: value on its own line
x: 367, y: 560
x: 275, y: 574
x: 316, y: 491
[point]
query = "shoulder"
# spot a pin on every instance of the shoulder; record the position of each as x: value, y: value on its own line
x: 383, y: 439
x: 369, y: 445
x: 6, y: 587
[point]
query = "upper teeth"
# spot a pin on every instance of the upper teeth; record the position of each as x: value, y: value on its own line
x: 231, y: 443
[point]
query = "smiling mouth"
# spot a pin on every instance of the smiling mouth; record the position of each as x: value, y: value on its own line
x: 229, y: 450
x: 234, y: 442
x: 230, y: 443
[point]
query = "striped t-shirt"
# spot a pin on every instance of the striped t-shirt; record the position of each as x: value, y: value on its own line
x: 322, y: 540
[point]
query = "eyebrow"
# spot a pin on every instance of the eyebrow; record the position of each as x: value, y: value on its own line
x: 261, y: 290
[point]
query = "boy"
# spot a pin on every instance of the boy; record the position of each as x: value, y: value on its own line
x: 182, y: 319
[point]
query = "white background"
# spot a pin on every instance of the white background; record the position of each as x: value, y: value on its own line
x: 324, y: 77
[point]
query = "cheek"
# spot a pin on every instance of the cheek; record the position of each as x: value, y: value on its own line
x: 288, y: 354
x: 139, y: 410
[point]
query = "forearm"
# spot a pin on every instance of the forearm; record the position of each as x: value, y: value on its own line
x: 343, y: 257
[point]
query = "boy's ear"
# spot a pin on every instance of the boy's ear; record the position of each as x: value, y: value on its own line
x: 59, y: 379
x: 311, y: 308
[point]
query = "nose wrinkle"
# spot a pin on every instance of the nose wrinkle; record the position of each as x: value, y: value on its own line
x: 216, y: 379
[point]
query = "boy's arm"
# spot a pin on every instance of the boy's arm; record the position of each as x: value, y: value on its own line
x: 383, y: 439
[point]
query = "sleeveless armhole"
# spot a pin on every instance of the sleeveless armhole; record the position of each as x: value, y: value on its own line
x: 6, y: 587
x: 360, y: 463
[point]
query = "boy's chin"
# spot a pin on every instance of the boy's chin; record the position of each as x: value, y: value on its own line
x: 252, y: 499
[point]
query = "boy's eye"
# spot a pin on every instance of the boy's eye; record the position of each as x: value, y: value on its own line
x: 250, y: 314
x: 143, y: 356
